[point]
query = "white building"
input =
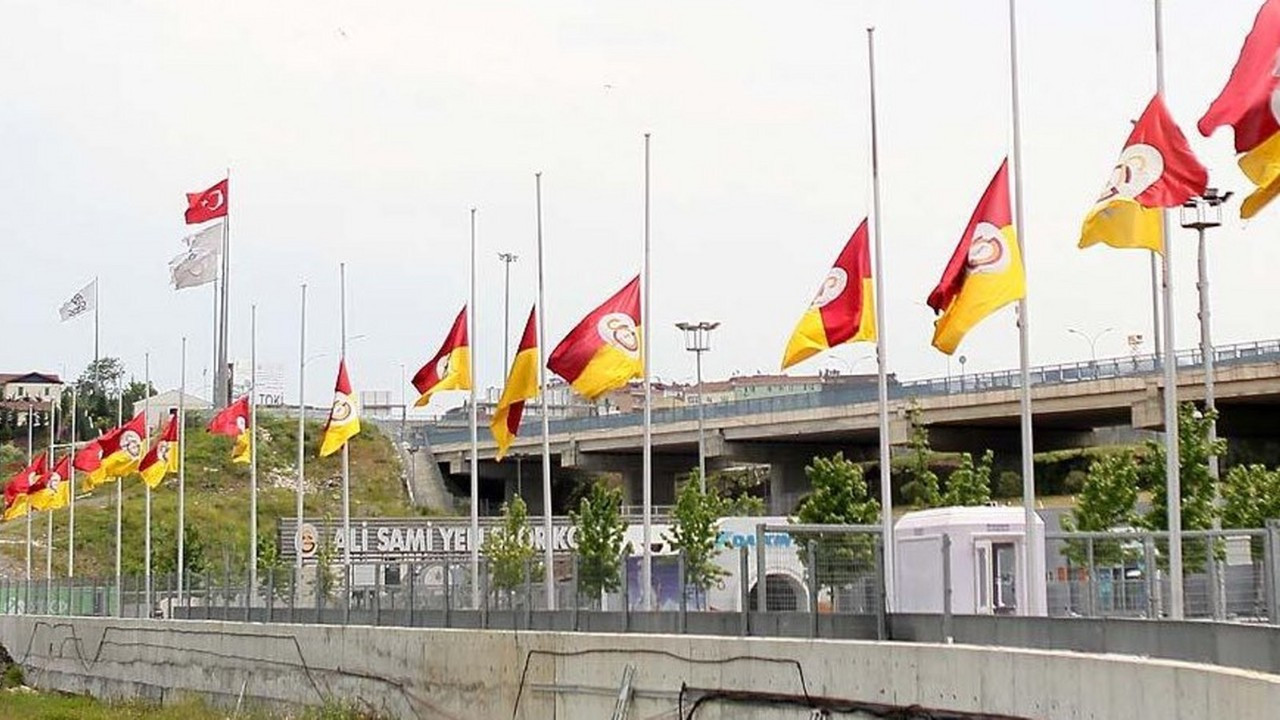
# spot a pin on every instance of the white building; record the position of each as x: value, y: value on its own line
x: 160, y: 405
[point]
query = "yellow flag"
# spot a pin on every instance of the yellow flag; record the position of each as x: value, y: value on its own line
x: 344, y: 416
x: 522, y: 385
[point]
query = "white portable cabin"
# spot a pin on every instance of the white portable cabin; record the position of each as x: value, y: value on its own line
x: 988, y: 572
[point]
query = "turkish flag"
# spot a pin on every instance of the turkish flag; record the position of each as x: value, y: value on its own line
x: 207, y: 204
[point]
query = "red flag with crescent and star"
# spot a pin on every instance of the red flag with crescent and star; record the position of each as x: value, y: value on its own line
x: 207, y: 204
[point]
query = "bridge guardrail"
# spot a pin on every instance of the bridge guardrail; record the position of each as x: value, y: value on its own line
x: 836, y: 395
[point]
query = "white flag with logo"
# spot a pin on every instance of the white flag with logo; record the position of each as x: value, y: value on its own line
x: 199, y: 264
x: 80, y: 303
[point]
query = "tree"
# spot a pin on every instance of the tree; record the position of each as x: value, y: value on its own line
x: 600, y: 532
x: 742, y: 488
x: 1194, y: 450
x: 510, y: 549
x: 695, y: 527
x: 921, y: 489
x: 1251, y: 497
x: 1105, y: 503
x: 970, y: 484
x: 839, y: 496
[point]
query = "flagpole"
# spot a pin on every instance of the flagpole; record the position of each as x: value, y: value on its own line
x: 146, y: 424
x: 222, y: 397
x: 253, y: 453
x: 346, y: 453
x: 119, y: 509
x: 30, y: 457
x: 213, y: 381
x: 548, y: 557
x: 48, y: 542
x: 1172, y: 463
x: 474, y: 541
x: 71, y: 488
x: 97, y: 374
x: 882, y: 375
x: 646, y: 567
x: 182, y: 468
x: 1035, y: 584
x: 302, y: 428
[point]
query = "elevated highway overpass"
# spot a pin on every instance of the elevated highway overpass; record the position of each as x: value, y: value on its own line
x: 1070, y: 405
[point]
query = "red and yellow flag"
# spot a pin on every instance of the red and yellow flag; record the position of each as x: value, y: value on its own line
x: 843, y: 311
x: 88, y: 460
x: 603, y: 351
x: 522, y: 385
x: 1249, y: 103
x: 233, y: 421
x: 17, y: 490
x: 1156, y: 170
x: 344, y: 416
x: 985, y: 271
x: 163, y: 455
x: 450, y: 368
x: 122, y: 448
x: 56, y: 493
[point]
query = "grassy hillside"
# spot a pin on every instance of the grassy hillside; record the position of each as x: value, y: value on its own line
x: 217, y: 527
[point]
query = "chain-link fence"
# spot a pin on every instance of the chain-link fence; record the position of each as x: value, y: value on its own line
x: 1227, y: 574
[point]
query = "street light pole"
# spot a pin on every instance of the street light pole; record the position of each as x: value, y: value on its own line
x: 1093, y: 342
x: 1199, y: 214
x: 507, y: 259
x: 697, y: 340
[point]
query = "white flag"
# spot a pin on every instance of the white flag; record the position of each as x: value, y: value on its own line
x: 80, y: 303
x: 207, y: 240
x: 199, y: 264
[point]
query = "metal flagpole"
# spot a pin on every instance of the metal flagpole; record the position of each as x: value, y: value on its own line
x: 213, y: 381
x: 222, y: 395
x: 473, y: 542
x: 97, y: 373
x: 182, y: 468
x: 548, y: 542
x: 48, y: 541
x: 119, y: 511
x: 346, y: 452
x: 146, y: 424
x: 302, y: 427
x: 882, y: 374
x: 646, y: 567
x: 1035, y: 584
x: 253, y: 453
x: 71, y: 491
x: 1172, y: 464
x: 30, y: 457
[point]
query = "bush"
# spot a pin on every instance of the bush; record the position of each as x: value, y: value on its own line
x: 1009, y: 484
x: 1074, y: 482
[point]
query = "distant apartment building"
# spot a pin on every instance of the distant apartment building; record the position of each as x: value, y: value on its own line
x: 29, y: 387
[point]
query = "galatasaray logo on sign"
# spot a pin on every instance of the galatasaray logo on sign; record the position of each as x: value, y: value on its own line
x: 619, y: 330
x: 131, y: 443
x: 306, y: 540
x: 832, y: 287
x: 343, y: 410
x: 1139, y: 167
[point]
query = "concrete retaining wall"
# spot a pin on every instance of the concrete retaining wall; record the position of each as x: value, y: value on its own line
x: 431, y: 673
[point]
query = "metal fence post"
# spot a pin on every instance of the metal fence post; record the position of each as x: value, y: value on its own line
x: 626, y: 594
x: 882, y: 630
x: 1211, y: 559
x: 682, y: 582
x: 761, y: 563
x: 528, y: 592
x: 346, y: 594
x: 249, y: 593
x: 575, y: 567
x: 448, y: 591
x: 744, y: 591
x: 811, y: 563
x: 377, y: 593
x: 1152, y: 572
x: 947, y: 633
x: 413, y: 580
x: 484, y: 592
x: 293, y: 592
x: 1271, y: 563
x: 1090, y: 602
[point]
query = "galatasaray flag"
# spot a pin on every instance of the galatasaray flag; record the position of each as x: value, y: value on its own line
x: 56, y: 493
x: 985, y: 271
x: 1156, y: 170
x: 122, y: 448
x: 163, y: 455
x: 522, y: 385
x: 450, y: 369
x: 233, y: 421
x: 344, y: 416
x: 17, y: 490
x: 843, y: 310
x: 1248, y: 104
x: 603, y: 351
x: 89, y: 461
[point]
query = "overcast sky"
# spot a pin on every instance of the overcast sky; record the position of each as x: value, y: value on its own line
x: 363, y: 131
